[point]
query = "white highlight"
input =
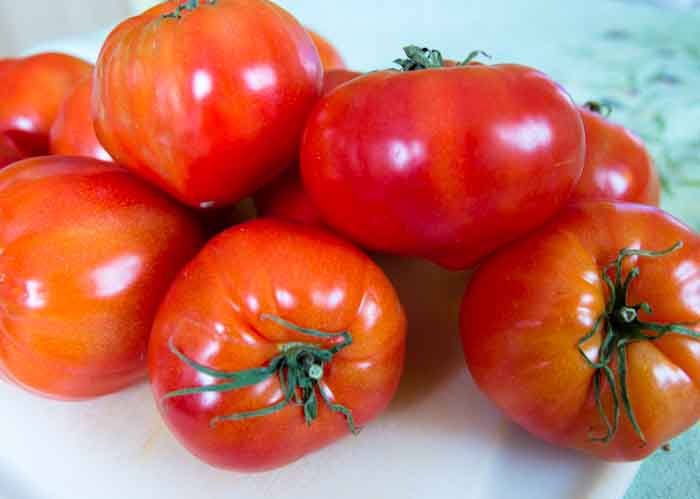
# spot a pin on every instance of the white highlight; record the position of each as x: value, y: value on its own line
x: 116, y: 276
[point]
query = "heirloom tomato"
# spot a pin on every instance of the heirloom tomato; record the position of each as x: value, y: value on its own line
x: 275, y: 341
x: 618, y: 166
x: 285, y: 197
x: 87, y: 252
x: 445, y: 163
x: 73, y: 132
x: 31, y: 94
x: 206, y: 99
x: 584, y: 332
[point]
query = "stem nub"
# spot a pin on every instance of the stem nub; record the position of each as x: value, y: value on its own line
x: 299, y: 368
x: 602, y: 108
x: 188, y: 5
x: 623, y: 327
x: 424, y: 58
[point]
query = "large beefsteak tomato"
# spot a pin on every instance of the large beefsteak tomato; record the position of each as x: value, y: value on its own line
x: 584, y: 332
x: 207, y: 99
x: 275, y: 341
x: 87, y: 252
x: 446, y: 163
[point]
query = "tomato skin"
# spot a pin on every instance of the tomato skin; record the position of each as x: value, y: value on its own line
x: 87, y: 251
x: 618, y: 166
x: 73, y: 133
x: 285, y: 197
x: 330, y: 57
x: 31, y: 93
x: 213, y: 312
x: 493, y: 153
x: 529, y: 304
x: 210, y: 106
x: 8, y: 151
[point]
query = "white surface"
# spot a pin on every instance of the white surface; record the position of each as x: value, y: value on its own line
x: 441, y: 438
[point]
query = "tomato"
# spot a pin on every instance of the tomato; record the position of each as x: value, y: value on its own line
x: 207, y: 101
x: 87, y: 252
x: 445, y: 163
x: 32, y: 92
x: 73, y: 133
x: 235, y: 315
x: 618, y: 166
x: 538, y: 315
x: 330, y: 57
x: 285, y: 197
x: 8, y: 151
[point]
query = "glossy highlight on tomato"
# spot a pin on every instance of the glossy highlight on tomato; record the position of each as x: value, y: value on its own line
x: 32, y: 92
x: 618, y: 165
x: 285, y: 197
x: 73, y: 132
x: 87, y: 252
x: 538, y: 316
x: 490, y: 155
x: 224, y: 312
x: 208, y: 102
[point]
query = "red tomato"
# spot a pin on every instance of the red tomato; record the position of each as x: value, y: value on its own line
x: 87, y: 252
x: 73, y: 133
x: 5, y: 64
x: 8, y: 151
x: 237, y: 313
x: 32, y: 92
x: 285, y: 197
x: 330, y: 57
x: 618, y: 166
x: 208, y: 102
x: 446, y: 163
x: 538, y: 314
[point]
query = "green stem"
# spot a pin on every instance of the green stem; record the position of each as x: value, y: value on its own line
x: 599, y: 107
x: 623, y: 327
x: 419, y: 58
x: 189, y: 5
x: 299, y: 368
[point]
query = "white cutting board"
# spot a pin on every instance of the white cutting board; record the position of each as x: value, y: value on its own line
x: 441, y: 438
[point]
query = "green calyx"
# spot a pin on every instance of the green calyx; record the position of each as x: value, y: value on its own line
x: 188, y: 5
x: 623, y: 327
x: 299, y: 368
x: 602, y: 108
x: 418, y: 58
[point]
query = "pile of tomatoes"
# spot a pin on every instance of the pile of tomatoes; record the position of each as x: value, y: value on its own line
x: 280, y: 335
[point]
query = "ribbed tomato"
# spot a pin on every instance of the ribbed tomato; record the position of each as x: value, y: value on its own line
x: 206, y: 99
x: 584, y: 332
x: 275, y: 341
x: 87, y: 252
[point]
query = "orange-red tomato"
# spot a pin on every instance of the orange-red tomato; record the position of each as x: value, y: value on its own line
x: 32, y: 92
x: 8, y: 151
x: 87, y: 252
x: 618, y: 166
x: 209, y: 102
x: 533, y: 304
x: 330, y: 57
x: 285, y: 197
x: 73, y: 133
x: 225, y: 312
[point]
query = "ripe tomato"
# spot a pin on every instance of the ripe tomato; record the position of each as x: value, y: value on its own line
x: 207, y: 101
x: 539, y: 314
x: 285, y: 197
x: 446, y: 163
x: 87, y: 251
x: 73, y: 133
x: 230, y: 362
x: 330, y: 57
x: 8, y: 151
x: 618, y: 166
x: 32, y: 92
